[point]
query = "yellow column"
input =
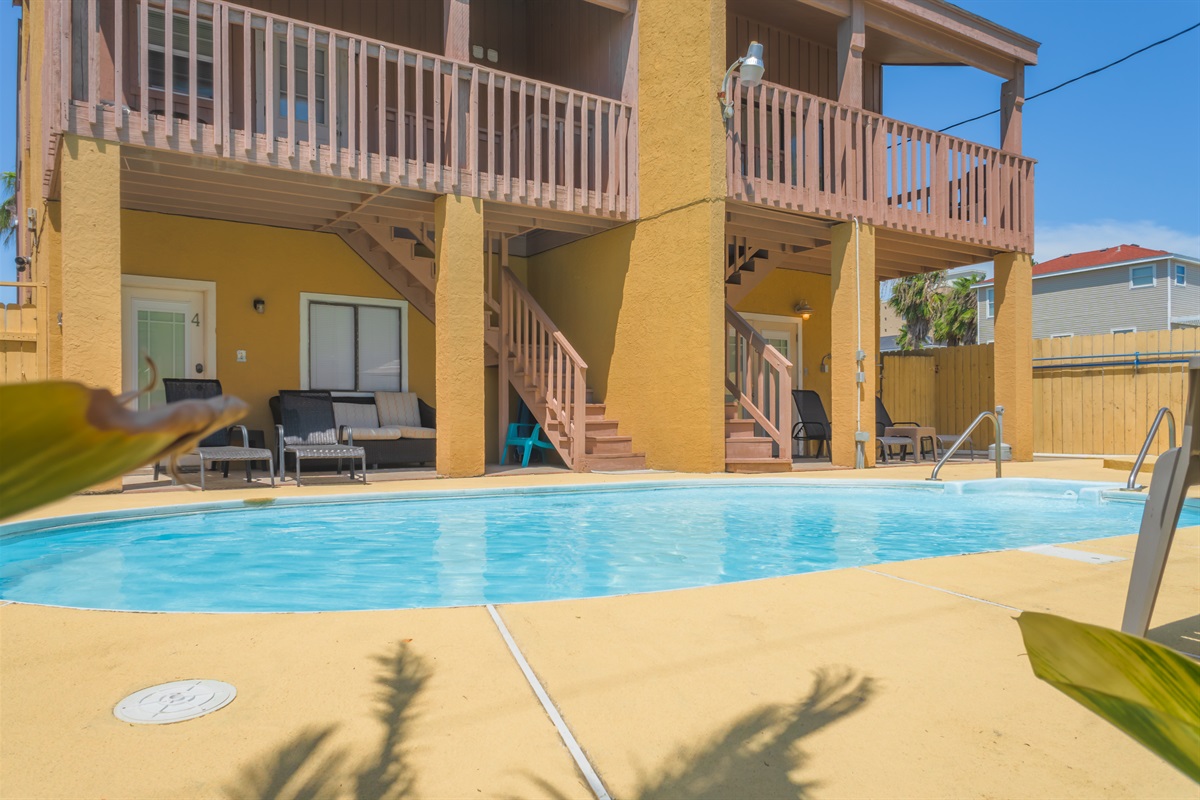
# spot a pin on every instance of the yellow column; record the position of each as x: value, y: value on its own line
x: 459, y: 336
x: 1013, y: 370
x: 666, y: 383
x: 91, y: 263
x: 854, y: 311
x: 90, y: 271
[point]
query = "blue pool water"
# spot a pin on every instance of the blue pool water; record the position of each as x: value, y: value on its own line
x: 513, y: 547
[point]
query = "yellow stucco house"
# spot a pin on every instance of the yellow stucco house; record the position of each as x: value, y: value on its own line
x: 485, y: 200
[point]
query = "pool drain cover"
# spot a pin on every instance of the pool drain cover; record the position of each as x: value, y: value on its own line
x: 175, y: 702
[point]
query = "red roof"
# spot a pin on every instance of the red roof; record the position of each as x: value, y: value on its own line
x: 1095, y: 258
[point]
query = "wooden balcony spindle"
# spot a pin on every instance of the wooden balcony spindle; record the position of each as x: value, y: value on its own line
x: 143, y: 12
x: 193, y: 83
x: 311, y: 38
x: 247, y: 83
x: 119, y: 103
x: 169, y: 68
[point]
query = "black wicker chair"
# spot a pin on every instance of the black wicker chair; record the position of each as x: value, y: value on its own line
x: 308, y: 430
x: 217, y: 446
x: 812, y: 425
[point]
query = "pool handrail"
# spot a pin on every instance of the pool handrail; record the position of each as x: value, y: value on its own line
x: 1132, y: 485
x: 997, y: 417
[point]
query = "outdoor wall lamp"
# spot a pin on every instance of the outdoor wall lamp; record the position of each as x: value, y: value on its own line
x: 803, y: 309
x: 824, y: 366
x: 260, y: 305
x: 750, y: 72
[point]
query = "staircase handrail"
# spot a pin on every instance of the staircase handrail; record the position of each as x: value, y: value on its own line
x: 559, y: 378
x: 780, y: 429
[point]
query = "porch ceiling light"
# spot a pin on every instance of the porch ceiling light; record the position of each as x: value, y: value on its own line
x: 804, y: 310
x: 750, y: 71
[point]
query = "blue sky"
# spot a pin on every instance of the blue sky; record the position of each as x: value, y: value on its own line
x: 1118, y: 161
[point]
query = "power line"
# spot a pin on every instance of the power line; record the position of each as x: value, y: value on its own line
x: 1080, y: 77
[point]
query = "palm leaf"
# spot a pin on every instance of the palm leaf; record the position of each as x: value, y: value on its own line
x: 1148, y: 691
x: 58, y: 438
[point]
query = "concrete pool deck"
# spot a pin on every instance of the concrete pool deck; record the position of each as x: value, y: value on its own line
x: 901, y: 680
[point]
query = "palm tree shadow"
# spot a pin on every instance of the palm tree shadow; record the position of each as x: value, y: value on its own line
x: 308, y: 767
x: 759, y: 753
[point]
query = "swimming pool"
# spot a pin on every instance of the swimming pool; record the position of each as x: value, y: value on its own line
x: 434, y: 548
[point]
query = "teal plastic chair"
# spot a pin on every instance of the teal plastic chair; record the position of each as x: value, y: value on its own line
x: 524, y: 434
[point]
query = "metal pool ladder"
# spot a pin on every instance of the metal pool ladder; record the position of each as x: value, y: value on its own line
x: 1132, y: 484
x: 996, y: 417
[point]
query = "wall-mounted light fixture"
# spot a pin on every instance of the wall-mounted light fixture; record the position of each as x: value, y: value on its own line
x: 750, y: 71
x: 260, y: 305
x: 825, y: 362
x: 803, y: 309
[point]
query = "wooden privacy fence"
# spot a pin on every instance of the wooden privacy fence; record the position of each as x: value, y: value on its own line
x: 22, y: 334
x: 1091, y: 394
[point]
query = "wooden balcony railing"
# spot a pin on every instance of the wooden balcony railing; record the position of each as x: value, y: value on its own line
x: 798, y: 151
x: 759, y: 378
x: 265, y: 89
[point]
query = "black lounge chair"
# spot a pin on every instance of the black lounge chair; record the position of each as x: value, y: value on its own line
x: 308, y: 431
x: 217, y: 446
x: 884, y: 420
x: 812, y: 425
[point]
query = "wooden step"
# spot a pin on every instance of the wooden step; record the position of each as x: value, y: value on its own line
x: 601, y: 427
x: 757, y: 465
x: 731, y: 410
x: 608, y: 445
x: 749, y: 447
x: 614, y: 463
x: 595, y: 411
x: 739, y: 428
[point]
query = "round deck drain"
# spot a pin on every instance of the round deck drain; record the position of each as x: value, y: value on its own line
x: 175, y: 702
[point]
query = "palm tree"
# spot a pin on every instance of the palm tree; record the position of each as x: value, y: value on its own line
x: 956, y: 313
x: 8, y: 211
x: 915, y: 299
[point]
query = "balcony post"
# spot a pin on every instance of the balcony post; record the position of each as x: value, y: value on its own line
x: 459, y: 337
x: 457, y: 29
x: 853, y: 312
x: 1012, y: 100
x: 1013, y: 350
x: 852, y: 39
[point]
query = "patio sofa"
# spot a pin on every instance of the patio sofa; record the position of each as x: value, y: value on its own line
x: 395, y: 428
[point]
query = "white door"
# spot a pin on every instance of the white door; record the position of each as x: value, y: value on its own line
x: 169, y: 327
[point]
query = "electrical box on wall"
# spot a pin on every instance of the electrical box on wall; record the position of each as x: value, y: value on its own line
x: 241, y: 356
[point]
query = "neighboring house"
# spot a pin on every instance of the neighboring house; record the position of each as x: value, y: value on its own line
x: 1122, y: 289
x: 486, y: 201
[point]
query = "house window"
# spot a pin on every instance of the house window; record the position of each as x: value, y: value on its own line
x: 353, y: 344
x: 1124, y: 330
x: 1180, y: 275
x: 987, y: 303
x: 181, y: 53
x: 300, y: 76
x: 1141, y: 276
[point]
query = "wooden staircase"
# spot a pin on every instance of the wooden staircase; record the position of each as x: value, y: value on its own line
x: 760, y: 383
x: 551, y: 378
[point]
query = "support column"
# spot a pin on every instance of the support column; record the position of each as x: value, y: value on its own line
x: 1012, y: 101
x: 459, y: 336
x: 90, y: 272
x: 852, y: 40
x: 853, y: 314
x: 91, y: 263
x: 1013, y: 368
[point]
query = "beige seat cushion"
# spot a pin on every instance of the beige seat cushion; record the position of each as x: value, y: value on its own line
x: 398, y: 408
x: 385, y: 433
x: 356, y: 415
x: 417, y: 432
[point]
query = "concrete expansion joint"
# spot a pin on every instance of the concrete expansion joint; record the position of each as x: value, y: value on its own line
x: 940, y: 589
x: 577, y: 754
